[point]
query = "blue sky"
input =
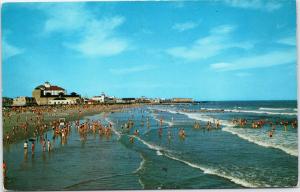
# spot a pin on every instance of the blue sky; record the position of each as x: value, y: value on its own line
x: 208, y: 50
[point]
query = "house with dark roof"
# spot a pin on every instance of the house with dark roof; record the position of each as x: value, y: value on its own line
x: 44, y: 94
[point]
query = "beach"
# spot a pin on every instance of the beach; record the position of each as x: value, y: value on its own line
x: 16, y: 119
x: 145, y: 150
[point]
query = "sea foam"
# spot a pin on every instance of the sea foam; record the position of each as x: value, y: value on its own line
x: 260, y: 112
x: 212, y: 171
x: 283, y: 141
x: 278, y: 142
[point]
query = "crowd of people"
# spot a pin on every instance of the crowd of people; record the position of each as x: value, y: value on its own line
x: 215, y: 124
x: 24, y: 122
x: 272, y: 125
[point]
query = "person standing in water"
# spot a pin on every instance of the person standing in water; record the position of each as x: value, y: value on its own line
x: 136, y: 133
x: 49, y: 145
x: 160, y: 132
x: 44, y: 145
x: 161, y: 121
x: 25, y: 146
x: 169, y: 134
x: 32, y: 147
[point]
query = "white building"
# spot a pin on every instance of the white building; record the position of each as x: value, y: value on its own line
x: 24, y: 101
x: 52, y: 90
x: 100, y: 99
x: 103, y: 98
x: 62, y: 101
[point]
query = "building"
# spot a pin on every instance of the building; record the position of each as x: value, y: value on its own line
x: 103, y: 99
x: 62, y: 101
x: 24, y: 101
x: 182, y: 100
x: 128, y: 100
x: 99, y: 99
x: 91, y: 102
x: 7, y: 102
x: 143, y: 99
x: 44, y: 94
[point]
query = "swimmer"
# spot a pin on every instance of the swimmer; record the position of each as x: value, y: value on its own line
x: 131, y: 139
x: 136, y: 132
x: 270, y: 133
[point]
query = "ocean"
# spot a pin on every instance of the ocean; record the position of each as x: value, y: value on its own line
x: 231, y: 156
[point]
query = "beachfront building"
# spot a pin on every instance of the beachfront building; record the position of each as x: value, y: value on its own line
x: 91, y: 102
x: 103, y: 99
x: 44, y: 94
x: 143, y: 99
x: 99, y: 99
x: 182, y: 100
x: 62, y: 101
x: 156, y: 100
x: 129, y: 100
x: 120, y: 101
x: 24, y: 101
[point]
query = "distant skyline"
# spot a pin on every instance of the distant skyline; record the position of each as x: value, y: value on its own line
x: 207, y: 50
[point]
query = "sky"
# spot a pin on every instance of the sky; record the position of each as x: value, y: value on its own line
x: 207, y: 50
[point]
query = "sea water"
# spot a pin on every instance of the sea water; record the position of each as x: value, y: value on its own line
x: 230, y: 157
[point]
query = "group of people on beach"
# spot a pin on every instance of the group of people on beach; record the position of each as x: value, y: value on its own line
x: 24, y: 122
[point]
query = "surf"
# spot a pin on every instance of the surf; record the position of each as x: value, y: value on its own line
x: 229, y: 128
x: 262, y: 142
x: 167, y: 153
x: 214, y: 172
x: 259, y: 112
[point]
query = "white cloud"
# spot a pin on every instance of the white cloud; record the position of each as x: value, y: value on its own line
x: 223, y: 29
x: 135, y: 69
x: 259, y: 61
x: 220, y: 66
x: 97, y: 37
x: 267, y: 5
x: 184, y: 26
x: 9, y: 50
x: 211, y: 45
x: 288, y: 41
x: 65, y: 17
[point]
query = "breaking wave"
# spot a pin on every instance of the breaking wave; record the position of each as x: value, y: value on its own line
x: 283, y: 143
